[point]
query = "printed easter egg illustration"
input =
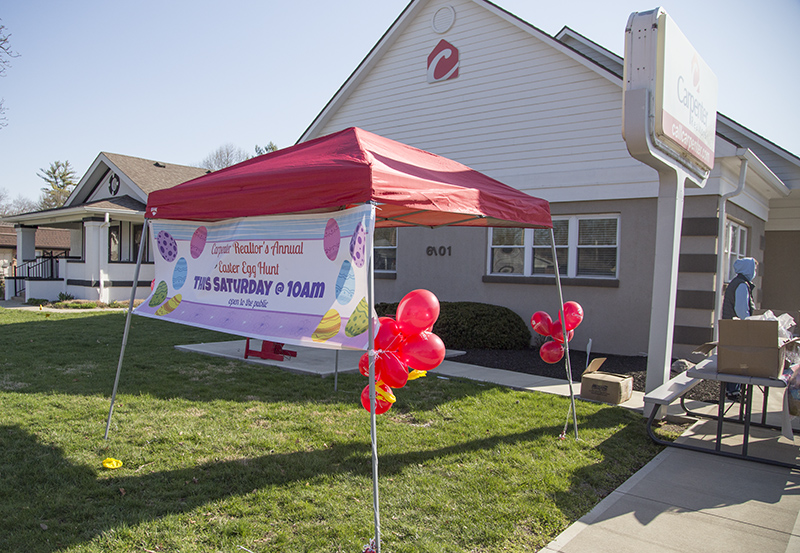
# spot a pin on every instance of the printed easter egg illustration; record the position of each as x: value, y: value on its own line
x: 159, y: 295
x: 328, y: 327
x: 167, y: 246
x: 179, y: 273
x: 358, y: 245
x: 170, y: 306
x: 345, y: 283
x: 198, y: 242
x: 332, y: 238
x: 359, y: 320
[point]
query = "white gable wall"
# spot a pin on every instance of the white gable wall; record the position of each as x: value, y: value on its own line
x: 126, y: 188
x: 528, y: 114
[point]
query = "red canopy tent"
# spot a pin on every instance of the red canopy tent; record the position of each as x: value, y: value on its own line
x: 411, y: 187
x: 408, y: 186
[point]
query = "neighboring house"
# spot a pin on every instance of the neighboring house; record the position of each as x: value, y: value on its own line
x: 467, y: 80
x: 105, y: 217
x: 50, y: 244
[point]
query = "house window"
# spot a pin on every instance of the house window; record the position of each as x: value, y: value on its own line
x: 114, y: 243
x: 735, y: 245
x: 123, y: 243
x: 137, y: 240
x: 586, y: 246
x: 508, y: 251
x: 385, y: 250
x: 543, y: 253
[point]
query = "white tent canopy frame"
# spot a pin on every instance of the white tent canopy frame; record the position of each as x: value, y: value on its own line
x: 371, y: 352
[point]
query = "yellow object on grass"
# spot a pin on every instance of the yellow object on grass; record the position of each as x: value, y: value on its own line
x: 111, y: 463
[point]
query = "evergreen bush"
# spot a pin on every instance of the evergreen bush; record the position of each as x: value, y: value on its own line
x: 472, y: 325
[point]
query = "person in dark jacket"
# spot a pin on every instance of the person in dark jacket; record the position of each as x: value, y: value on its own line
x: 738, y: 300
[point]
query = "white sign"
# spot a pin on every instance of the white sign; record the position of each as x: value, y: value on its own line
x: 686, y: 95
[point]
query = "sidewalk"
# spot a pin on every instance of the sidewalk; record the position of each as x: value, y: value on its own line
x: 680, y: 501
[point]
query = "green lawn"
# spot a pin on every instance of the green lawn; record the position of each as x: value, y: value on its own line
x: 227, y: 456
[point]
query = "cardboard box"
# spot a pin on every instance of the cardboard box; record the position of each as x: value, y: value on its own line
x: 751, y: 348
x: 605, y: 387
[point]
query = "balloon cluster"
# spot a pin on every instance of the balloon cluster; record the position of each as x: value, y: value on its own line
x: 552, y: 351
x: 405, y: 348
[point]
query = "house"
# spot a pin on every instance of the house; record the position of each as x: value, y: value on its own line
x: 49, y: 242
x: 470, y: 81
x: 104, y: 216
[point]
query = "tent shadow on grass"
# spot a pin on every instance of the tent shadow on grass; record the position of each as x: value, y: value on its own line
x: 50, y: 504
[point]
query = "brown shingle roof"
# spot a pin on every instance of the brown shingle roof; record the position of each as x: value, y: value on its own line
x: 122, y: 202
x: 46, y: 238
x: 152, y: 175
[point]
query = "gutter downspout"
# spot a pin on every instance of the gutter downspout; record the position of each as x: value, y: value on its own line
x: 742, y: 154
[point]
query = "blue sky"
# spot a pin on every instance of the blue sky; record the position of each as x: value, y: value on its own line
x: 174, y: 80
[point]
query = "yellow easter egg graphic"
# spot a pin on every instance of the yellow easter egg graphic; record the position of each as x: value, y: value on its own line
x: 170, y: 306
x: 328, y: 327
x: 159, y: 295
x: 359, y: 320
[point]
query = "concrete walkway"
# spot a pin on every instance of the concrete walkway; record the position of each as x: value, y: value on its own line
x: 681, y: 501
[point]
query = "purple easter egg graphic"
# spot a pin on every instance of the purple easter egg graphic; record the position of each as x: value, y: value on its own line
x: 332, y: 238
x: 358, y: 245
x: 198, y: 242
x: 167, y: 246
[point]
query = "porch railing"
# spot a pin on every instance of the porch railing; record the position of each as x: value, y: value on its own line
x: 44, y: 267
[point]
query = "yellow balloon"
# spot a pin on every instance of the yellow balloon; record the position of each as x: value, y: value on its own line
x: 111, y: 463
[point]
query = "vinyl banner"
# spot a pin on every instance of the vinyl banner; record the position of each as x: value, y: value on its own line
x: 294, y: 279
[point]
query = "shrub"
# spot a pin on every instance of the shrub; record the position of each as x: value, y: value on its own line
x: 78, y: 304
x: 124, y: 304
x: 471, y: 325
x: 65, y: 297
x: 37, y: 301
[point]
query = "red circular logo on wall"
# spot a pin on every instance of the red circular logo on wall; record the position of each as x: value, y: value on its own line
x: 443, y: 62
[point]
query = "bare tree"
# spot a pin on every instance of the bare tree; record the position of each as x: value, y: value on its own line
x: 6, y: 54
x: 224, y: 156
x: 20, y: 204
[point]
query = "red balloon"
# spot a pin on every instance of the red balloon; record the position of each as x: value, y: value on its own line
x: 573, y: 315
x: 542, y: 323
x: 363, y: 366
x: 392, y: 370
x: 381, y: 405
x: 551, y: 352
x: 417, y: 311
x: 388, y: 337
x: 423, y: 351
x: 558, y: 333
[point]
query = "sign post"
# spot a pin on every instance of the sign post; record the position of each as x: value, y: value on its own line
x: 669, y: 123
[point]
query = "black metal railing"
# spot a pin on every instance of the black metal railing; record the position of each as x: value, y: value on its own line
x: 45, y: 267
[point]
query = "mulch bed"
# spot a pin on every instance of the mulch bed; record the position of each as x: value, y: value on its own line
x: 528, y: 361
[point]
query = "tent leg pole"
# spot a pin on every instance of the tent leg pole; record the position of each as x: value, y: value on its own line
x: 372, y: 391
x: 336, y: 373
x: 564, y: 329
x: 142, y: 244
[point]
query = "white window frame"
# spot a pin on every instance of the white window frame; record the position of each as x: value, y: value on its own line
x: 375, y: 248
x: 736, y: 241
x: 572, y: 251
